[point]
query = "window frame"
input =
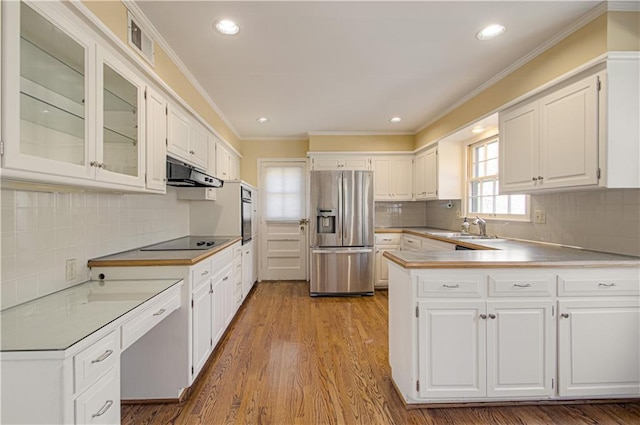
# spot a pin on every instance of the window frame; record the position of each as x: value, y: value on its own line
x: 468, y: 146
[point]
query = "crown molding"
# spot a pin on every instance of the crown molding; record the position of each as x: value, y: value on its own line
x: 275, y: 139
x: 361, y: 133
x: 570, y: 29
x: 157, y: 37
x: 623, y: 6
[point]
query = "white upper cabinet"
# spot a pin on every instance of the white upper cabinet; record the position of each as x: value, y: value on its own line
x: 187, y: 138
x: 393, y: 177
x: 47, y: 89
x: 156, y: 126
x: 551, y: 142
x: 73, y: 112
x: 438, y: 172
x: 120, y: 139
x: 228, y: 164
x: 223, y: 161
x: 341, y: 162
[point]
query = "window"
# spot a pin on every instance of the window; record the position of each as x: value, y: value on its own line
x: 284, y: 192
x: 483, y: 198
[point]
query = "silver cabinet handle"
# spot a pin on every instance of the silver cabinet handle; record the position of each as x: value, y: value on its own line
x: 225, y: 278
x: 386, y: 240
x: 522, y: 285
x: 540, y: 178
x: 565, y: 315
x: 606, y: 285
x: 159, y: 312
x: 204, y: 273
x: 483, y: 316
x: 103, y: 409
x: 103, y: 357
x: 450, y: 286
x: 535, y: 179
x: 492, y: 316
x: 102, y: 165
x: 93, y: 163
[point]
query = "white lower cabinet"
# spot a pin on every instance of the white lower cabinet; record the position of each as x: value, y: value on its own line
x: 100, y: 404
x: 201, y: 313
x: 599, y: 347
x: 451, y: 346
x: 486, y: 349
x: 514, y: 334
x: 520, y: 348
x: 384, y: 242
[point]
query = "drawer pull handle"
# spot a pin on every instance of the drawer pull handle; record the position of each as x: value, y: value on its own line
x: 451, y: 286
x: 483, y: 316
x: 159, y: 312
x: 204, y: 273
x: 606, y: 285
x: 103, y: 357
x: 522, y: 285
x: 492, y: 316
x: 386, y: 240
x: 565, y: 315
x: 103, y: 409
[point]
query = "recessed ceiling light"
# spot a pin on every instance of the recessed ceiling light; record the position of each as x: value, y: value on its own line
x: 490, y: 32
x: 262, y: 120
x: 395, y: 120
x: 478, y: 129
x: 227, y: 27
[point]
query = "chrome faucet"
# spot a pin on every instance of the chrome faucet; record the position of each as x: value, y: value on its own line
x: 482, y: 225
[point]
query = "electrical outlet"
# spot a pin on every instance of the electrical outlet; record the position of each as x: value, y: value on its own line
x: 70, y: 269
x: 539, y: 217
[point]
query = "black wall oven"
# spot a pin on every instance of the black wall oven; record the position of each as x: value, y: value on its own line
x: 247, y: 212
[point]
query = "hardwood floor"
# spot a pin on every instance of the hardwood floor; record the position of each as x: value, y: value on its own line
x: 292, y: 359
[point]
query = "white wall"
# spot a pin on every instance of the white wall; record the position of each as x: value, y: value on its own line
x: 600, y: 220
x: 40, y: 231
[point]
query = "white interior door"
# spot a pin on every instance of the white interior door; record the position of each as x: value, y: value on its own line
x: 283, y: 200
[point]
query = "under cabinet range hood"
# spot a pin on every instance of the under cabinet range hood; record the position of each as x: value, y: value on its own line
x: 183, y: 175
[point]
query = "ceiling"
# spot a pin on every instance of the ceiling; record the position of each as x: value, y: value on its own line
x: 349, y: 66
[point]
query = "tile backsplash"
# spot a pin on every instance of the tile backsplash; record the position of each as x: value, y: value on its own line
x: 602, y: 220
x: 41, y: 230
x: 400, y: 214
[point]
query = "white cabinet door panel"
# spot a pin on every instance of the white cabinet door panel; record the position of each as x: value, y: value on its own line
x: 452, y: 347
x: 519, y: 146
x: 156, y: 141
x: 568, y: 136
x: 520, y: 349
x: 599, y: 347
x: 201, y: 316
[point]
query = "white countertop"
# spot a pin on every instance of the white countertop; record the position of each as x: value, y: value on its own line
x: 59, y: 320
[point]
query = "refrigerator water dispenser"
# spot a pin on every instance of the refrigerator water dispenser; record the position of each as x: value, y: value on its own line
x: 326, y: 220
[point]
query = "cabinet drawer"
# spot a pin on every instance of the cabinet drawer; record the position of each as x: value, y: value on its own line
x: 539, y: 285
x: 200, y: 274
x: 150, y: 316
x: 450, y: 286
x: 92, y: 362
x: 599, y: 282
x: 388, y: 238
x: 411, y: 243
x: 100, y: 404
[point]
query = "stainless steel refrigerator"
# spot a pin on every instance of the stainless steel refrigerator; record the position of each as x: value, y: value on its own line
x: 342, y: 235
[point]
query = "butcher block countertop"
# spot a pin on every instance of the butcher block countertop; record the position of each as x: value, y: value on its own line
x: 137, y: 257
x: 501, y: 253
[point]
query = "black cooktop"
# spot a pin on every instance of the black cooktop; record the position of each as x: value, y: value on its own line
x: 188, y: 243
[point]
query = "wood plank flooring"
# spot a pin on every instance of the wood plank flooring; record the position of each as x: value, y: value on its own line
x: 292, y: 359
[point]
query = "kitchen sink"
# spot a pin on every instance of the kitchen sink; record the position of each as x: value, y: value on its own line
x: 462, y: 237
x: 475, y: 237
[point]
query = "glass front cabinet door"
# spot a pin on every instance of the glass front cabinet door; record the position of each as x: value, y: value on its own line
x: 69, y: 110
x: 120, y: 138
